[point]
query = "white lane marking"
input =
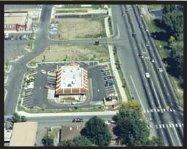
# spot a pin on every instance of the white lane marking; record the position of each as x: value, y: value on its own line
x: 160, y: 126
x: 158, y: 110
x: 163, y: 126
x: 179, y: 125
x: 170, y: 134
x: 182, y: 125
x: 164, y: 110
x: 137, y: 92
x: 171, y: 110
x: 118, y: 31
x: 151, y: 110
x: 154, y: 110
x: 176, y: 125
x: 177, y: 136
x: 155, y: 93
x: 147, y: 111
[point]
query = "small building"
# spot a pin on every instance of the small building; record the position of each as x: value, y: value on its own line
x: 24, y: 134
x: 71, y: 80
x: 17, y: 21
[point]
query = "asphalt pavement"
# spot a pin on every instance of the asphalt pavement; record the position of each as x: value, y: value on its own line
x: 19, y: 68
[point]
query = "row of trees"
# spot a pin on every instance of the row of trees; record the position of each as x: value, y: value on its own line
x: 172, y: 18
x: 131, y: 130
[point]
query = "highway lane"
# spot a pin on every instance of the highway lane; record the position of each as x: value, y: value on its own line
x: 152, y: 83
x: 19, y: 68
x: 164, y: 98
x: 147, y: 84
x: 124, y: 50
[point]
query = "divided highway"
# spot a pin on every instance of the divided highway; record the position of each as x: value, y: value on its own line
x: 159, y: 93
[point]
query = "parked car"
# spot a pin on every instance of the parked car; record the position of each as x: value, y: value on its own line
x: 6, y: 36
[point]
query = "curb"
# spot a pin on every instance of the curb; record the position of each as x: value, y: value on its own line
x: 112, y: 62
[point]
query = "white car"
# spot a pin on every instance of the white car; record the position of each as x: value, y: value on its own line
x: 6, y: 35
x: 152, y: 60
x: 160, y: 69
x: 147, y: 75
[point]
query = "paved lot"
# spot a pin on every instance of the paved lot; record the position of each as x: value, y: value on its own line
x: 39, y: 93
x: 98, y: 88
x: 12, y: 50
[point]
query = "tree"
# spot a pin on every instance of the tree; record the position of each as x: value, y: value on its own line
x: 155, y: 142
x: 17, y: 118
x: 47, y: 141
x: 130, y: 128
x: 78, y: 141
x: 173, y: 20
x: 168, y: 8
x: 97, y: 132
x: 171, y: 40
x: 132, y: 104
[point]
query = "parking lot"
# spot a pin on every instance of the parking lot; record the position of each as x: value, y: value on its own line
x: 36, y: 92
x: 15, y: 44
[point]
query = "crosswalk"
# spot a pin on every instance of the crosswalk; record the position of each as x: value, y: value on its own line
x: 168, y: 125
x: 159, y: 110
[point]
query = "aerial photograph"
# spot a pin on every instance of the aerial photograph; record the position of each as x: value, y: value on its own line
x: 93, y: 75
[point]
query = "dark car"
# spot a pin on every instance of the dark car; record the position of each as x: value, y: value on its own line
x: 77, y: 120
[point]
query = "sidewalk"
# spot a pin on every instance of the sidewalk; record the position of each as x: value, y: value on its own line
x: 112, y: 61
x: 23, y: 113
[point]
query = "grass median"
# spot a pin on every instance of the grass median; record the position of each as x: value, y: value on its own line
x: 76, y: 108
x: 118, y: 66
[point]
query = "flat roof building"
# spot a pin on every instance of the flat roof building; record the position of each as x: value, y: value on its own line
x: 17, y: 21
x: 24, y: 134
x: 71, y: 80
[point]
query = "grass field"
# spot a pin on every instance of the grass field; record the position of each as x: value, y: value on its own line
x: 80, y: 28
x: 74, y: 53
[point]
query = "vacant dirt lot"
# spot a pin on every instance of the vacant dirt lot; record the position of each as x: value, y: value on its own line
x: 79, y: 28
x: 74, y: 53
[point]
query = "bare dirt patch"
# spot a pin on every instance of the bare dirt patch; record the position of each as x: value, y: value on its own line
x: 74, y: 53
x: 79, y: 28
